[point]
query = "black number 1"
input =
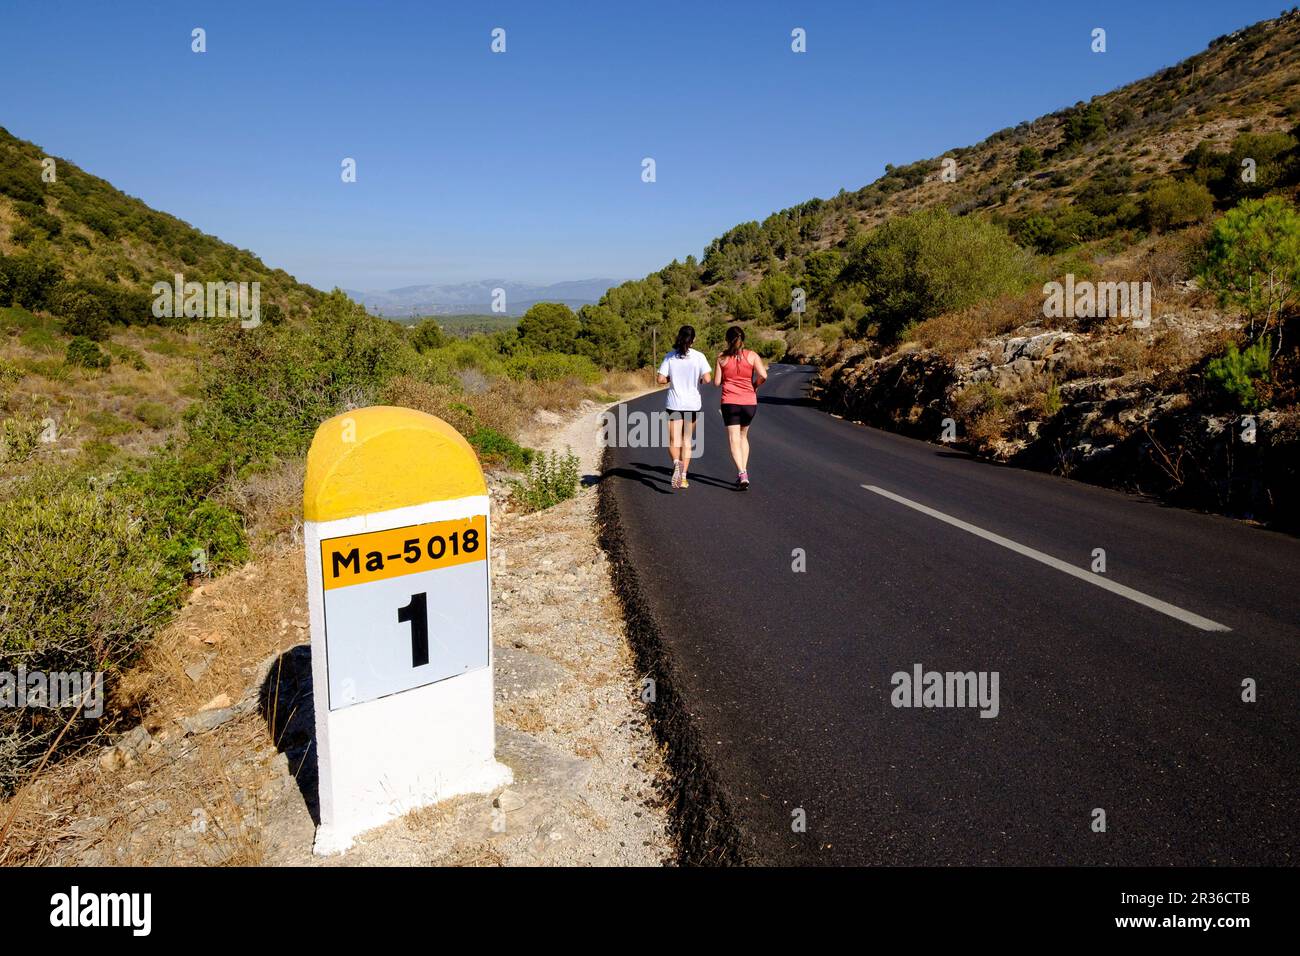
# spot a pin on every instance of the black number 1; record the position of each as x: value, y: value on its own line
x: 417, y: 613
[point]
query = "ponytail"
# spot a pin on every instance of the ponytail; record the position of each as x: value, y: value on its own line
x: 735, y: 341
x: 685, y: 338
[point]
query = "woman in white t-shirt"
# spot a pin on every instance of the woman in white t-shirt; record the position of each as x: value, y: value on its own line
x: 682, y: 370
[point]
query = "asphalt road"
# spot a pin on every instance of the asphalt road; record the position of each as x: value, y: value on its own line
x: 1111, y: 699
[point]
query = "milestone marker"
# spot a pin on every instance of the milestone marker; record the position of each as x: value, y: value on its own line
x: 396, y: 527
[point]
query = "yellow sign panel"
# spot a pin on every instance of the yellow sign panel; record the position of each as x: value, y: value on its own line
x: 377, y: 555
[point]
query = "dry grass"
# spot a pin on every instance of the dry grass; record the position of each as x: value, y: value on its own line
x: 482, y: 854
x: 200, y: 807
x: 126, y: 408
x: 982, y: 413
x: 1171, y: 259
x: 624, y: 382
x: 502, y: 404
x: 229, y: 625
x: 988, y: 414
x: 1120, y: 352
x: 243, y: 616
x: 522, y: 715
x: 271, y: 503
x: 957, y: 332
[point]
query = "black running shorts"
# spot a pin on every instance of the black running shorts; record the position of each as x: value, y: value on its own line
x: 738, y: 414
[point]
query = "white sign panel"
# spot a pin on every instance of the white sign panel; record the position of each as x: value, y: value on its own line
x: 404, y: 608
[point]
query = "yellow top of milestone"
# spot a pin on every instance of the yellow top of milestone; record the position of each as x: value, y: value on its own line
x: 384, y: 457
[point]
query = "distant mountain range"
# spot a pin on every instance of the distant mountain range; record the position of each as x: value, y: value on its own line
x: 477, y: 297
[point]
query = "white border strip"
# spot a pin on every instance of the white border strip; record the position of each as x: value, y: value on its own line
x: 1187, y: 617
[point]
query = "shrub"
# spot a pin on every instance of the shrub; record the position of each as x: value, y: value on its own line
x: 1052, y: 401
x: 1235, y: 374
x: 549, y: 327
x: 20, y: 436
x: 28, y: 280
x: 1028, y: 159
x: 831, y: 333
x: 552, y: 367
x: 35, y: 214
x: 20, y: 178
x: 1253, y: 260
x: 1083, y: 124
x: 1273, y: 156
x: 1172, y: 203
x: 1058, y: 229
x: 84, y: 587
x: 130, y: 356
x: 266, y: 389
x: 263, y: 394
x: 82, y: 351
x: 494, y: 447
x: 551, y: 479
x: 428, y: 335
x: 174, y: 492
x: 82, y: 313
x: 983, y: 412
x: 770, y: 349
x: 445, y: 363
x: 107, y: 425
x: 927, y: 263
x: 154, y: 414
x: 501, y: 408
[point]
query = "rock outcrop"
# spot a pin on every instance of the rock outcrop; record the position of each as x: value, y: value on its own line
x: 1112, y: 404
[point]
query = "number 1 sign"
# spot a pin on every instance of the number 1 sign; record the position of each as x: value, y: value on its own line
x: 397, y: 534
x: 378, y: 619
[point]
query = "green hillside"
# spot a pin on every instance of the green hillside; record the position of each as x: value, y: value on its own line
x: 67, y: 227
x: 81, y: 346
x: 1084, y: 183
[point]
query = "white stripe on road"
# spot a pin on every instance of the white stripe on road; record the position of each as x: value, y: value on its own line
x: 1187, y: 617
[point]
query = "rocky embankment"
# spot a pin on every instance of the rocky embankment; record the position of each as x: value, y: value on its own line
x: 1108, y: 403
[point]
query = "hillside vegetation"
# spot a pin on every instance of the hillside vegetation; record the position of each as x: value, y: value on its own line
x: 926, y: 291
x: 141, y: 454
x: 1124, y: 185
x: 1073, y: 190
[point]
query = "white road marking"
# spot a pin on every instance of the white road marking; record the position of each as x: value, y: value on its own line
x: 1187, y: 617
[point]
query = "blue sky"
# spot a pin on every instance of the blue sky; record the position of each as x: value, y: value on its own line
x: 527, y: 165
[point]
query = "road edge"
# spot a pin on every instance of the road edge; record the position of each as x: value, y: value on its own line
x: 702, y: 824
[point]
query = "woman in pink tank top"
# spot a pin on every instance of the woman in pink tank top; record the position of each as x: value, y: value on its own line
x: 740, y: 372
